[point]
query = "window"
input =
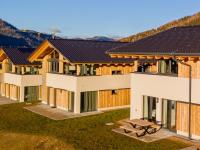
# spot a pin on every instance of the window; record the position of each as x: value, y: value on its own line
x: 116, y: 72
x: 114, y: 92
x: 18, y: 70
x: 31, y: 70
x: 167, y: 67
x: 87, y: 70
x: 54, y: 66
x: 9, y: 66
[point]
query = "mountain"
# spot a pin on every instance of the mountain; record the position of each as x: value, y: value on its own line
x: 101, y: 38
x: 10, y: 36
x: 185, y: 21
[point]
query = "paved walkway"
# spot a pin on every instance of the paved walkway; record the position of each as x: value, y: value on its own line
x: 55, y: 113
x: 4, y: 100
x: 161, y: 134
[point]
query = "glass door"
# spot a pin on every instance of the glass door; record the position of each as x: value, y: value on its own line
x: 149, y: 108
x: 169, y: 114
x: 88, y: 101
x: 31, y: 93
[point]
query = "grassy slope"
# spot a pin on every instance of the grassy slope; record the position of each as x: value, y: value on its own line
x: 185, y: 21
x: 81, y: 133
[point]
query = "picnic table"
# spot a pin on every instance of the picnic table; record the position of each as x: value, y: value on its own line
x: 141, y: 125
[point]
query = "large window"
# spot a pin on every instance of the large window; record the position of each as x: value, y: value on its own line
x: 88, y: 101
x: 54, y: 66
x: 31, y: 70
x: 31, y: 93
x: 144, y: 67
x: 69, y: 69
x: 54, y: 62
x: 87, y: 70
x: 169, y: 114
x: 167, y: 67
x: 149, y: 108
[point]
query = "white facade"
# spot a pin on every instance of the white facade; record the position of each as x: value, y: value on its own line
x: 87, y: 83
x: 79, y: 84
x: 162, y: 87
x: 21, y: 81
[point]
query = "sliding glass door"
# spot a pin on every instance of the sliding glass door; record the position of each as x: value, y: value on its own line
x: 88, y: 101
x: 31, y: 93
x: 169, y: 114
x: 149, y: 108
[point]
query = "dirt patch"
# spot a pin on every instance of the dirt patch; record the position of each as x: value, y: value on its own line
x: 18, y: 141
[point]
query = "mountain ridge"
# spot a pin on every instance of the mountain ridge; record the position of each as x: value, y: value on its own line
x: 185, y: 21
x: 26, y: 38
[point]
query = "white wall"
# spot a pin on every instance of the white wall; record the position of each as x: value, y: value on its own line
x: 167, y: 87
x: 22, y: 80
x: 88, y: 83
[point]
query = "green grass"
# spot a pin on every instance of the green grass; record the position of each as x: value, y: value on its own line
x: 89, y: 133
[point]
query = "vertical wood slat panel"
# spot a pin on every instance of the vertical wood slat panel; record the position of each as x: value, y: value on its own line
x: 106, y: 99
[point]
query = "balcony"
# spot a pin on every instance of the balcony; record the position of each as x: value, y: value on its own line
x: 87, y: 83
x: 164, y: 86
x: 22, y: 80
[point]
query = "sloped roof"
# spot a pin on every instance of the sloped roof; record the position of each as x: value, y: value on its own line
x: 19, y: 56
x: 178, y: 40
x: 87, y: 51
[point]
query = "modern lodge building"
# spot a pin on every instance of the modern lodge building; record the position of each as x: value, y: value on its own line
x: 19, y: 79
x: 78, y: 75
x: 171, y: 93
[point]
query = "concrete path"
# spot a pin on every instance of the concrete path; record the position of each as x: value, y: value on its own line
x: 161, y: 134
x: 55, y: 113
x: 4, y: 100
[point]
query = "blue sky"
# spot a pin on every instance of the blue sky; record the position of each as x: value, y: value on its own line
x: 85, y: 18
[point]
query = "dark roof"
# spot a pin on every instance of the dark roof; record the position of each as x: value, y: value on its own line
x: 87, y: 51
x: 179, y: 40
x: 19, y: 56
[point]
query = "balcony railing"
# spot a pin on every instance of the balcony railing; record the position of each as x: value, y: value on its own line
x: 87, y: 83
x: 169, y: 87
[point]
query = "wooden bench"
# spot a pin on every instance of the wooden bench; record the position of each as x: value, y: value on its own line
x: 128, y: 129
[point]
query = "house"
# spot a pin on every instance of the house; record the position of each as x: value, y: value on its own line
x: 170, y: 94
x: 78, y: 76
x: 19, y: 79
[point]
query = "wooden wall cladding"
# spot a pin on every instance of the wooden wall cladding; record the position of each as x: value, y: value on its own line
x: 107, y: 99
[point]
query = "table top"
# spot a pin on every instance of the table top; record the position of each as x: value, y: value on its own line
x: 140, y: 122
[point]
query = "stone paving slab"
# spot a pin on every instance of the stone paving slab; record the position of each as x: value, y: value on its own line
x: 55, y: 113
x: 4, y: 101
x: 161, y: 134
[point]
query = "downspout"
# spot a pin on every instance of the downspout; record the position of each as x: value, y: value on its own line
x: 190, y: 94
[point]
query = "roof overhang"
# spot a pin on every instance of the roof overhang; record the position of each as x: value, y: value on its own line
x: 3, y: 55
x: 157, y: 56
x: 43, y: 49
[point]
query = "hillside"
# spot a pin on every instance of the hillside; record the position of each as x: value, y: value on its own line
x: 10, y: 36
x: 185, y: 21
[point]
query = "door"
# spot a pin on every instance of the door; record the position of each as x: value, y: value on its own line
x: 88, y: 101
x: 31, y: 93
x: 169, y: 114
x: 149, y: 108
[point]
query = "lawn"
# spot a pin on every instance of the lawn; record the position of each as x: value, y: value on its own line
x: 87, y: 133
